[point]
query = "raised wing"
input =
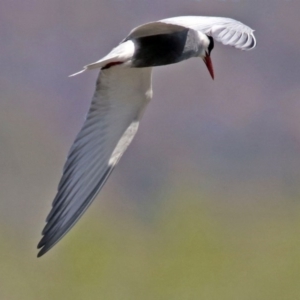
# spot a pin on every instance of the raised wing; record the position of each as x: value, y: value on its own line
x: 153, y: 28
x: 224, y: 30
x: 120, y: 98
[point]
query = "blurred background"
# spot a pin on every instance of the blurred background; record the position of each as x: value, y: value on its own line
x: 205, y: 202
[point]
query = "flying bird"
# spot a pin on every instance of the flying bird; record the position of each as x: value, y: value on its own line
x: 123, y: 90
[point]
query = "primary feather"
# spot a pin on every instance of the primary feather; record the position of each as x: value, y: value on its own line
x: 110, y: 125
x: 225, y: 30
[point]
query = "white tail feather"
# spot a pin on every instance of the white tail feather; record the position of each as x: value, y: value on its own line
x: 77, y: 73
x: 121, y: 53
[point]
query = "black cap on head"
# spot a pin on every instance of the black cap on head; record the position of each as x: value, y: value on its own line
x: 211, y: 44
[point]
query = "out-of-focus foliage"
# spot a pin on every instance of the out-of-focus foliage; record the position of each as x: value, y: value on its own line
x: 190, y: 251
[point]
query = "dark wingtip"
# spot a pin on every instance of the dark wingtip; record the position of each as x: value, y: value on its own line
x: 42, y: 242
x: 42, y: 246
x: 43, y: 249
x: 41, y: 252
x: 253, y: 43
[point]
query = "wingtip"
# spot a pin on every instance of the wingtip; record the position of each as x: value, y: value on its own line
x: 41, y: 249
x: 254, y: 40
x: 41, y: 252
x: 252, y: 45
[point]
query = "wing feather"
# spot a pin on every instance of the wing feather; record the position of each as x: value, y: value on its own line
x: 153, y: 28
x: 221, y: 29
x: 120, y: 98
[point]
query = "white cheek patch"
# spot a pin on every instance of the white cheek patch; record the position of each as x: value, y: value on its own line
x: 123, y: 143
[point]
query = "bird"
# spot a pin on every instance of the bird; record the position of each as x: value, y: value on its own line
x: 123, y: 90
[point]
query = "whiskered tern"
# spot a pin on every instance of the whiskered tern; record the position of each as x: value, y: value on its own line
x: 123, y: 90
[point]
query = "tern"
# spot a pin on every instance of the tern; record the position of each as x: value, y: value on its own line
x: 123, y: 90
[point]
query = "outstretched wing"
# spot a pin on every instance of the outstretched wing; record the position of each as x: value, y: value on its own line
x: 224, y: 30
x: 120, y: 98
x: 153, y: 28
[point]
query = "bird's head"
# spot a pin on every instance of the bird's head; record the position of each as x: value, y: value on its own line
x: 208, y: 45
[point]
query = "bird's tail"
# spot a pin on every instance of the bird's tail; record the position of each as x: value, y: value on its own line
x: 121, y: 54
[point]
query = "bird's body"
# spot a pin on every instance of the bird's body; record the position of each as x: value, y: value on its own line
x: 123, y: 90
x: 165, y: 49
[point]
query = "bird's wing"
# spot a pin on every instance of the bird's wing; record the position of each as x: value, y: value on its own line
x: 224, y: 30
x: 153, y: 28
x: 120, y: 98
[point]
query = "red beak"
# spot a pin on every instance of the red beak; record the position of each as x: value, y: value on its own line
x: 209, y: 65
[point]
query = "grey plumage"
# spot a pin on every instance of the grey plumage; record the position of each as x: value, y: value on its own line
x: 90, y: 159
